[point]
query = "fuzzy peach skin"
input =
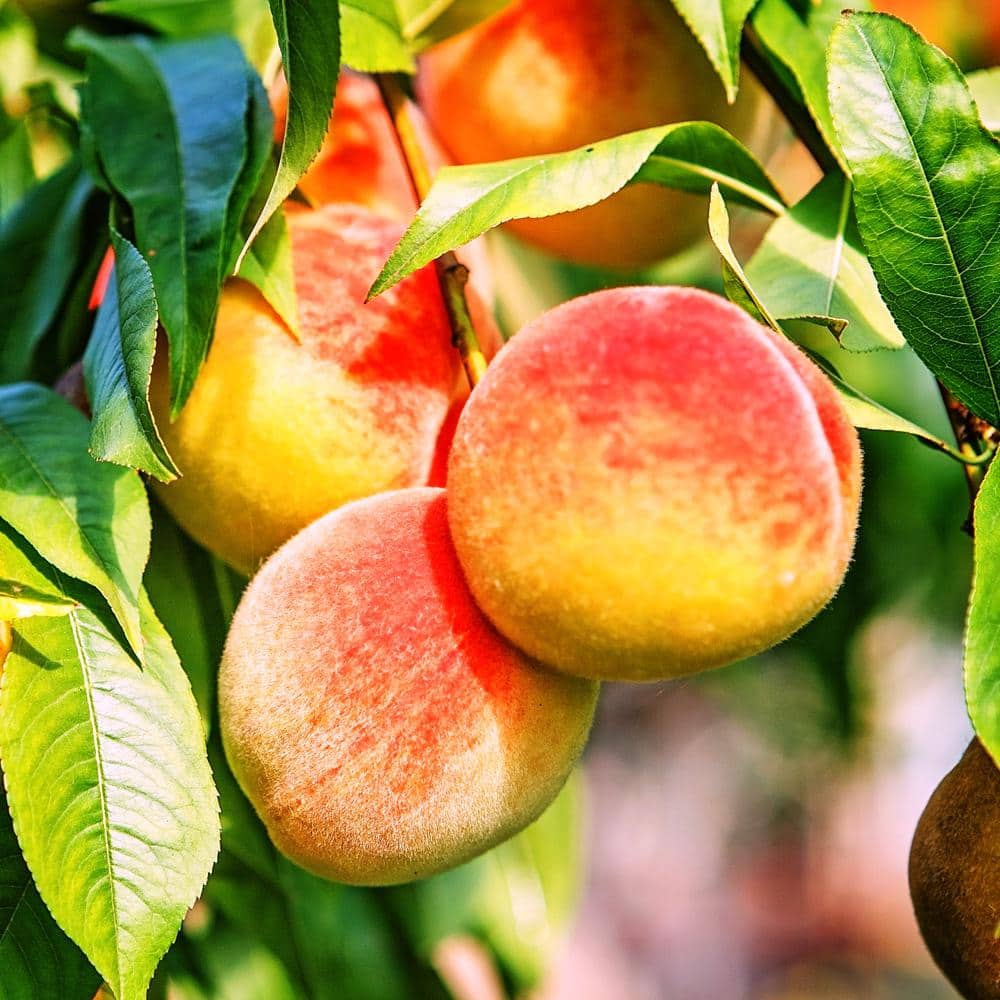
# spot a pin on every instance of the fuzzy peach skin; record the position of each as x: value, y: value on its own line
x: 544, y: 76
x: 276, y: 432
x: 648, y: 483
x: 379, y: 725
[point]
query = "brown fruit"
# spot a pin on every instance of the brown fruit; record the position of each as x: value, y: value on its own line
x: 955, y: 875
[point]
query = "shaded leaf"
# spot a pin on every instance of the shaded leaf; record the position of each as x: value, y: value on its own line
x: 40, y: 246
x: 168, y: 121
x: 927, y: 193
x: 812, y: 265
x: 88, y: 519
x: 799, y: 43
x: 37, y: 960
x: 117, y: 366
x: 718, y: 26
x: 309, y: 38
x: 268, y: 266
x: 466, y: 201
x: 28, y: 585
x: 426, y: 22
x: 17, y: 171
x: 109, y: 788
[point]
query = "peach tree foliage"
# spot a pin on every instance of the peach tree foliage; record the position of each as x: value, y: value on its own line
x: 120, y: 809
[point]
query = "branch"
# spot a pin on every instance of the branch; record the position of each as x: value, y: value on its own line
x: 452, y: 274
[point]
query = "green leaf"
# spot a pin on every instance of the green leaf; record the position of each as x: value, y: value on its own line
x: 466, y: 201
x: 427, y: 22
x: 985, y: 87
x: 309, y: 38
x: 37, y: 960
x: 17, y: 171
x: 28, y: 585
x: 87, y: 518
x: 168, y: 121
x: 811, y: 265
x: 863, y: 412
x: 109, y: 788
x: 40, y: 247
x: 927, y: 194
x: 982, y: 630
x: 799, y: 43
x: 371, y: 37
x: 268, y: 266
x: 718, y: 26
x: 237, y: 967
x: 117, y: 366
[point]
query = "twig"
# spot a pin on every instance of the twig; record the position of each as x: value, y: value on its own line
x: 452, y: 274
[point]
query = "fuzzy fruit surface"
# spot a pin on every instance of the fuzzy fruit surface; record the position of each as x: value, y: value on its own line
x: 381, y: 727
x: 278, y: 432
x: 955, y: 875
x: 647, y: 483
x: 544, y: 76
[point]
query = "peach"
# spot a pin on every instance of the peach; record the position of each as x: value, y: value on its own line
x: 544, y: 76
x: 379, y: 725
x: 276, y: 432
x: 955, y: 874
x: 648, y: 483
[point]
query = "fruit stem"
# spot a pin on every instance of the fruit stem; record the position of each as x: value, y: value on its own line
x: 452, y: 274
x: 971, y: 433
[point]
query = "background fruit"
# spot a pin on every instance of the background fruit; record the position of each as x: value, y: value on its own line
x: 380, y: 726
x: 277, y: 433
x: 544, y: 76
x: 647, y: 483
x: 955, y: 874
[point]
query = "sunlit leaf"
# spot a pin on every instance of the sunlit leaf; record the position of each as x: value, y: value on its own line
x: 718, y: 26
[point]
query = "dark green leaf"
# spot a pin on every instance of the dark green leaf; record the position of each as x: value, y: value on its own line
x: 109, y: 788
x: 927, y: 193
x: 718, y: 26
x: 40, y: 245
x: 169, y: 125
x: 117, y: 366
x: 37, y: 960
x: 982, y: 630
x: 467, y: 201
x: 309, y: 38
x: 811, y: 265
x: 87, y: 518
x: 371, y: 37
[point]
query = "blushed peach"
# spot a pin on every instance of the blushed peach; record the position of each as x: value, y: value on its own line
x: 277, y: 433
x: 544, y: 76
x: 648, y: 483
x: 380, y: 726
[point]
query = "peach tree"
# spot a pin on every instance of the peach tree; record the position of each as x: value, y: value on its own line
x: 141, y: 173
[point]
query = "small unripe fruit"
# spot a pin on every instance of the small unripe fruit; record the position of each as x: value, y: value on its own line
x: 278, y: 432
x: 545, y: 76
x: 380, y: 726
x: 955, y: 875
x: 648, y: 483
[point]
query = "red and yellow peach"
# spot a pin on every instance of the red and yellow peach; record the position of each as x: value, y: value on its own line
x: 647, y: 483
x: 380, y: 726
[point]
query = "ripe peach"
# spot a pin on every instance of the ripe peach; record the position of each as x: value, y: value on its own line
x: 544, y: 76
x: 955, y: 874
x: 380, y: 726
x: 276, y: 433
x: 647, y: 483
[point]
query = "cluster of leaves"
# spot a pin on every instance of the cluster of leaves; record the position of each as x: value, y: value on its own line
x: 112, y: 784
